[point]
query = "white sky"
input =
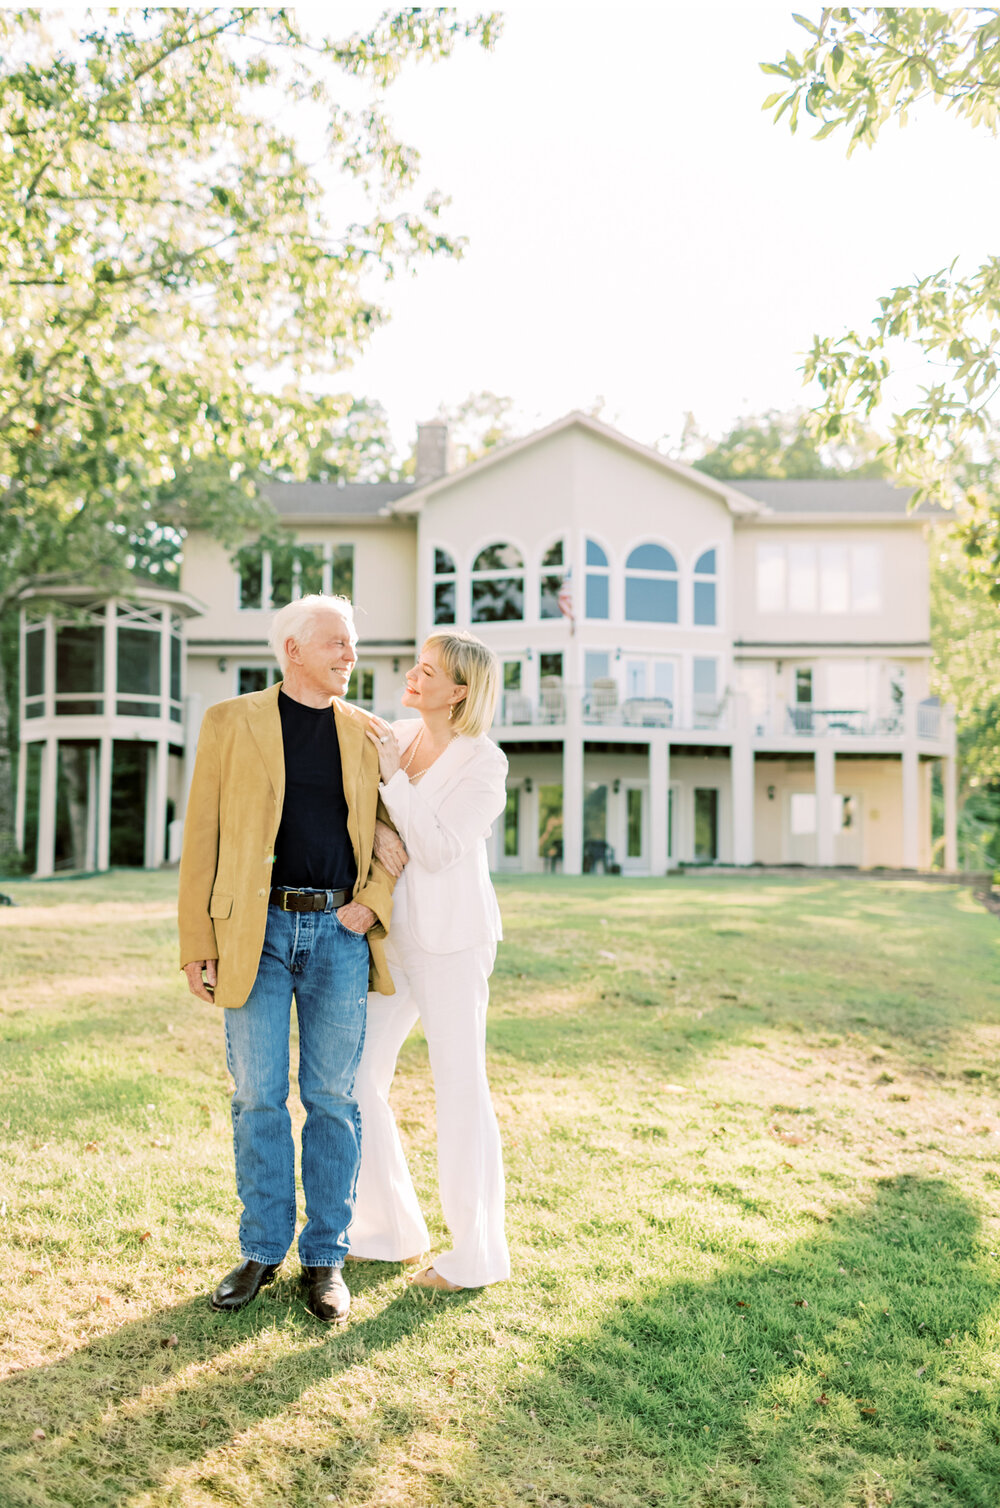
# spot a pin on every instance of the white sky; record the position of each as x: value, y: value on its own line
x: 640, y: 231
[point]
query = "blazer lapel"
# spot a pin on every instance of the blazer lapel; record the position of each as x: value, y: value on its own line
x: 265, y: 725
x: 447, y: 764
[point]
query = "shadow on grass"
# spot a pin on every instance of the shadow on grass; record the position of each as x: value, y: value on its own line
x: 164, y: 1392
x: 848, y: 1373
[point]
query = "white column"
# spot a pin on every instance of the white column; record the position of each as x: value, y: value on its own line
x: 110, y: 659
x: 47, y: 810
x: 104, y: 802
x: 573, y: 787
x: 949, y: 780
x: 90, y: 847
x: 193, y: 713
x: 49, y: 686
x: 156, y: 804
x: 659, y: 795
x: 911, y: 807
x: 741, y: 777
x: 825, y: 788
x: 20, y: 799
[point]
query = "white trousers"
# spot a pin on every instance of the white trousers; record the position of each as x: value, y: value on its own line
x: 449, y: 992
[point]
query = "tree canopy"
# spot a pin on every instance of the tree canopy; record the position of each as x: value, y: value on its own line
x: 169, y: 256
x: 780, y: 445
x: 860, y: 69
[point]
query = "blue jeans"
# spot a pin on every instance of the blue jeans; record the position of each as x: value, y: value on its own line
x: 312, y: 955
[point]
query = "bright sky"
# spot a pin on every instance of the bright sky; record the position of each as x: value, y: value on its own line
x: 640, y: 231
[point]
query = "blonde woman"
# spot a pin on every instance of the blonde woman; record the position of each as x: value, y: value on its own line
x: 443, y: 783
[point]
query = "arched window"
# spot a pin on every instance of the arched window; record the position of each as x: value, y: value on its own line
x: 651, y: 585
x: 553, y: 576
x: 598, y: 594
x: 704, y: 590
x: 497, y: 584
x: 444, y: 587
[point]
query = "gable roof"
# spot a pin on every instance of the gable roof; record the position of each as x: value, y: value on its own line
x: 735, y: 499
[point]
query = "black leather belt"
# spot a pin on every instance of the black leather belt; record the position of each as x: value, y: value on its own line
x: 308, y: 900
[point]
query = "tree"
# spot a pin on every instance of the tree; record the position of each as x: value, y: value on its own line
x: 165, y: 252
x: 481, y: 423
x: 779, y: 445
x: 861, y: 68
x: 965, y: 631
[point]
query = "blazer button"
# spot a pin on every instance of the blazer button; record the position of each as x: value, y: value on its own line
x: 261, y: 892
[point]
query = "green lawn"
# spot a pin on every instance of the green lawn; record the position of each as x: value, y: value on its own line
x: 752, y: 1130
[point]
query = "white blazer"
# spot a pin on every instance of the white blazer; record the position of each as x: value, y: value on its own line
x: 444, y: 820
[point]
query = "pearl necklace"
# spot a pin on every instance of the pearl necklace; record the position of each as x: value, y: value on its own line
x: 410, y: 753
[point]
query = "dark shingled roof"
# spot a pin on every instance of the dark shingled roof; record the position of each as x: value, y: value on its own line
x: 327, y: 500
x: 830, y: 496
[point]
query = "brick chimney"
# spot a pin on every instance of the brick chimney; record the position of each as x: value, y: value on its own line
x: 432, y: 451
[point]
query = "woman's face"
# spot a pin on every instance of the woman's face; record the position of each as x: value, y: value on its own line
x: 429, y: 687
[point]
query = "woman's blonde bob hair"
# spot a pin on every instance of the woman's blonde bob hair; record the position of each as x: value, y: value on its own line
x: 470, y: 663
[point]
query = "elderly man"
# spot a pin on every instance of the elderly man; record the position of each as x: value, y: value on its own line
x: 281, y: 895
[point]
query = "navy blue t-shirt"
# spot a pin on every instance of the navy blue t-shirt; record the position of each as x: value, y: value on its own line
x: 313, y: 849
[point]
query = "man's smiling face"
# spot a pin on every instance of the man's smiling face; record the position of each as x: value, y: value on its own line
x: 323, y: 661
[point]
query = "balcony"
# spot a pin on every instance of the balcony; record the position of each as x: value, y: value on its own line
x: 601, y: 706
x: 821, y: 722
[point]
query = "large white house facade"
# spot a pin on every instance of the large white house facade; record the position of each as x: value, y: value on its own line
x: 694, y: 671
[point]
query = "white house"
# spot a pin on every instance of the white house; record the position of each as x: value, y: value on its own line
x: 693, y: 670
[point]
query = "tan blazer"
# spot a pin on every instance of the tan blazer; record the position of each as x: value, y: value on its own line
x: 230, y: 828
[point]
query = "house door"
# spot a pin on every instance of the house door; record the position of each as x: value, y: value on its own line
x: 706, y: 825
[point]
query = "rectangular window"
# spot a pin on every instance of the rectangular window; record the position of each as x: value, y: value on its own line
x: 771, y: 573
x: 663, y: 679
x: 282, y: 575
x: 512, y: 675
x: 648, y: 600
x: 550, y: 665
x: 596, y: 666
x: 250, y: 565
x: 595, y: 821
x: 256, y: 677
x: 550, y: 824
x: 138, y: 662
x: 804, y: 686
x: 704, y: 604
x: 633, y: 822
x: 635, y: 678
x: 175, y: 668
x: 79, y: 659
x: 706, y: 825
x: 597, y: 596
x: 34, y: 661
x: 512, y: 824
x: 310, y: 572
x: 801, y: 579
x: 444, y: 602
x: 706, y: 677
x: 834, y: 583
x: 361, y: 687
x: 866, y: 578
x: 342, y: 571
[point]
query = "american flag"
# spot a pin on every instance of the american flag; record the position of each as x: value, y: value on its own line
x: 565, y: 598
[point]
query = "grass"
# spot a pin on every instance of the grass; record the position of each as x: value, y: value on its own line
x: 751, y: 1131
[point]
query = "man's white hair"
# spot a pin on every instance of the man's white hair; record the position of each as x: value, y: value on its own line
x: 300, y: 621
